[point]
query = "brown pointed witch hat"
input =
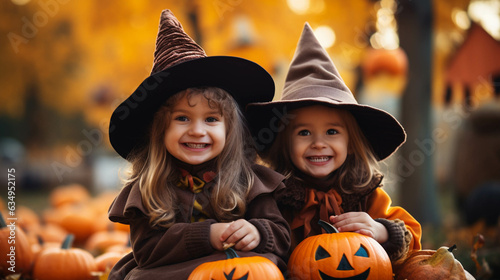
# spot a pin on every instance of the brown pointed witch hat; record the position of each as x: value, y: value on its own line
x: 313, y: 80
x: 180, y: 63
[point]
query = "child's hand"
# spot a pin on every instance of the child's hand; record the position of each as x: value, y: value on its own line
x: 243, y: 234
x: 362, y: 223
x: 216, y: 231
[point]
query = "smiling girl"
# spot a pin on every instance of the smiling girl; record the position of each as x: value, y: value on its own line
x: 328, y: 147
x: 193, y: 187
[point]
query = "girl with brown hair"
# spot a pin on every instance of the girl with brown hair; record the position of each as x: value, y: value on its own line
x: 328, y: 146
x: 193, y: 186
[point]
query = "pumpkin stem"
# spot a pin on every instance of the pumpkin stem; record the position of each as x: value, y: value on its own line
x: 231, y: 253
x: 329, y: 228
x: 452, y: 248
x: 2, y: 222
x: 68, y: 241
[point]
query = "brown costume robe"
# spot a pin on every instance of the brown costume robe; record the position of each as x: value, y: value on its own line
x: 160, y: 253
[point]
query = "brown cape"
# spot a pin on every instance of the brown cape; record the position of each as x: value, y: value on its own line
x: 174, y: 252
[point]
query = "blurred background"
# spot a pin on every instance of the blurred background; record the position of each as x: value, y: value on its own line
x: 435, y: 65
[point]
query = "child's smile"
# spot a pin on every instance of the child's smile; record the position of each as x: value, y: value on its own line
x: 319, y: 159
x: 319, y: 140
x: 196, y: 133
x: 196, y: 146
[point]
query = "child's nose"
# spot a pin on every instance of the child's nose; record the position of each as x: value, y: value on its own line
x: 197, y: 129
x: 318, y: 143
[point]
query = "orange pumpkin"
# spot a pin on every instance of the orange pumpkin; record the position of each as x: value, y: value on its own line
x: 64, y: 263
x: 335, y: 255
x: 76, y: 219
x: 68, y: 194
x: 27, y: 218
x: 234, y: 267
x: 431, y: 264
x: 392, y: 62
x: 16, y: 256
x: 122, y: 249
x: 99, y: 242
x: 106, y: 261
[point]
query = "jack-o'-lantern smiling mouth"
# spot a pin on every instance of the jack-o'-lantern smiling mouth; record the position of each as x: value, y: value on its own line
x: 362, y: 276
x: 344, y: 264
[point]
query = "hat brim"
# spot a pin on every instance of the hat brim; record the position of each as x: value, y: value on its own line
x: 244, y: 80
x: 382, y: 130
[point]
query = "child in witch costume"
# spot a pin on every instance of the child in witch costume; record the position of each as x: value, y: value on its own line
x: 193, y: 186
x: 328, y: 146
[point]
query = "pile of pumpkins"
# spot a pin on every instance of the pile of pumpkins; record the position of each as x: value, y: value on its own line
x: 71, y: 239
x: 74, y: 239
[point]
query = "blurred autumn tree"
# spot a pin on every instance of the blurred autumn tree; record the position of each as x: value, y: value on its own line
x: 86, y: 56
x: 75, y: 58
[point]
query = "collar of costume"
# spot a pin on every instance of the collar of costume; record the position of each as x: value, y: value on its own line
x: 321, y: 201
x: 195, y: 177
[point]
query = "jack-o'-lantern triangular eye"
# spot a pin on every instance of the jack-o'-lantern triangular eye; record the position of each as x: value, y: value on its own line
x: 321, y: 253
x: 362, y: 252
x: 230, y: 275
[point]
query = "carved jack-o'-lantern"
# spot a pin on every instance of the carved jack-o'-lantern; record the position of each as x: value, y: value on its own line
x: 236, y: 268
x: 335, y: 255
